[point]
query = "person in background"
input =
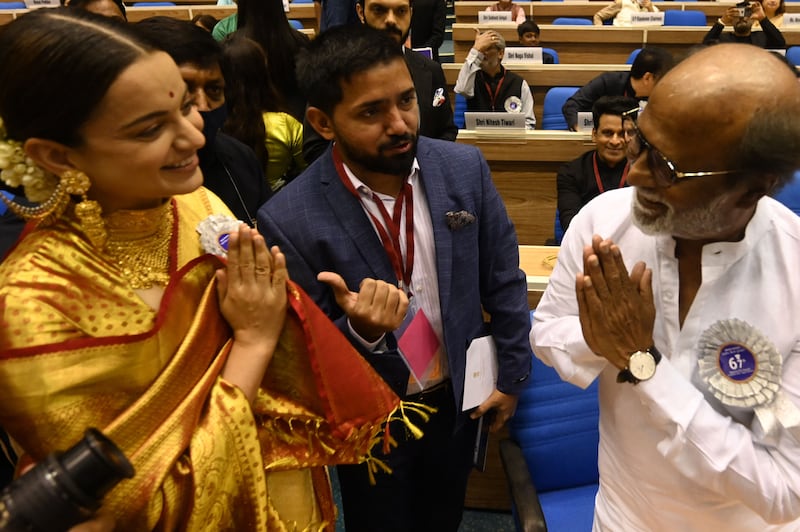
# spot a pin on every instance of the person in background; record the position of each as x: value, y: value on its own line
x: 107, y: 8
x: 620, y: 11
x: 517, y: 11
x: 427, y: 25
x: 205, y: 21
x: 529, y: 35
x: 601, y: 169
x: 773, y: 10
x: 456, y: 253
x: 646, y: 70
x: 653, y: 297
x: 488, y: 86
x: 254, y: 116
x: 230, y: 168
x: 332, y: 13
x: 769, y: 38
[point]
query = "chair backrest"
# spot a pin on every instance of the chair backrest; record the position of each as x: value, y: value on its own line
x: 553, y: 53
x: 558, y: 230
x: 632, y: 56
x: 12, y: 5
x: 572, y: 21
x: 790, y: 194
x: 554, y: 100
x: 458, y: 111
x: 555, y: 425
x: 674, y: 17
x: 793, y: 55
x: 296, y: 24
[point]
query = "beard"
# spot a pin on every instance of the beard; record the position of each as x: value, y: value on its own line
x: 693, y: 223
x: 397, y: 165
x: 742, y: 27
x: 397, y: 33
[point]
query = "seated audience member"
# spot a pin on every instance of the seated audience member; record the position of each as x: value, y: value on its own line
x: 529, y: 34
x: 427, y: 25
x: 517, y: 12
x: 205, y: 21
x: 679, y: 297
x: 230, y: 168
x: 254, y: 116
x: 770, y: 37
x: 620, y: 11
x: 646, y: 70
x: 488, y: 86
x: 773, y: 10
x: 107, y: 8
x: 603, y: 168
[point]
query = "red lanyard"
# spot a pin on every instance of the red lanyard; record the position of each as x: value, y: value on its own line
x: 597, y: 174
x: 493, y: 95
x: 389, y: 230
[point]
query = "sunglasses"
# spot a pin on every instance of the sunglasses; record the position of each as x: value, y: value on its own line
x: 665, y: 173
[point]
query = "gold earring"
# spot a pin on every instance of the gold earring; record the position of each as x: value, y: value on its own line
x: 88, y: 211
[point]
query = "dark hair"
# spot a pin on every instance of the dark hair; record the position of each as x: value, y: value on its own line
x: 338, y: 54
x: 84, y: 4
x: 771, y: 144
x: 249, y: 93
x: 527, y: 26
x: 655, y: 60
x: 56, y: 66
x: 265, y: 22
x: 206, y: 21
x: 362, y: 2
x: 182, y: 40
x: 612, y: 105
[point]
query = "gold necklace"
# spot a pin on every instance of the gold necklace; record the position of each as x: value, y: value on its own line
x: 138, y: 243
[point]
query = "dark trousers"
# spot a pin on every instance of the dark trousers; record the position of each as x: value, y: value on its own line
x: 426, y: 489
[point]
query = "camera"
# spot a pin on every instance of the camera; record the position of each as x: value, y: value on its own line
x: 65, y: 488
x: 744, y: 8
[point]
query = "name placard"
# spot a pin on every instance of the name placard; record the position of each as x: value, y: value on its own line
x: 523, y: 55
x: 286, y: 5
x: 791, y: 19
x: 32, y: 4
x: 427, y: 51
x: 647, y: 19
x: 585, y: 121
x: 490, y: 120
x: 488, y: 17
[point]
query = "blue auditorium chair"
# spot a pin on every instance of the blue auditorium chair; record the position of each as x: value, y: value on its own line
x: 554, y: 100
x: 558, y: 230
x: 632, y: 56
x: 296, y: 24
x: 790, y: 194
x: 12, y: 5
x: 572, y: 21
x: 674, y: 17
x: 459, y: 110
x: 553, y: 53
x: 550, y: 459
x: 793, y: 55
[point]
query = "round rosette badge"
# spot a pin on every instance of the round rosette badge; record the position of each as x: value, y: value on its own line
x: 740, y: 365
x: 214, y: 233
x: 513, y: 105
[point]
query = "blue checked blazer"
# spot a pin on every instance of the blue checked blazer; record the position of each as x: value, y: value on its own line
x: 320, y: 226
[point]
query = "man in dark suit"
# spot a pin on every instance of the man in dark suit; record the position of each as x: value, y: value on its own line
x: 435, y: 111
x: 408, y: 289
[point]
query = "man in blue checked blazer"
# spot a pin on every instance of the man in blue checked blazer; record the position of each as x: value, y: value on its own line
x: 404, y: 242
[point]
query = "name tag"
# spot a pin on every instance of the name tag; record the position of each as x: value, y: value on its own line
x: 487, y: 120
x: 427, y: 51
x: 31, y: 4
x: 647, y: 19
x: 487, y: 17
x: 523, y: 55
x: 791, y: 19
x: 585, y: 121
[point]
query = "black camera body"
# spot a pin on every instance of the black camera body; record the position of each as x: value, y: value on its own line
x: 65, y: 488
x: 745, y: 9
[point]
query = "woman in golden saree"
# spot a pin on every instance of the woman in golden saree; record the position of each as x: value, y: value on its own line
x: 114, y: 317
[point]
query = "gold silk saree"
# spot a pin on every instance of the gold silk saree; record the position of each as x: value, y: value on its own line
x: 78, y: 348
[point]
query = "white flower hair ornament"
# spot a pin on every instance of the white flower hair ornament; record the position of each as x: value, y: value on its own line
x: 17, y: 169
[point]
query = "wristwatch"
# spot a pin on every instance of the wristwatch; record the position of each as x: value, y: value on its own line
x: 641, y: 366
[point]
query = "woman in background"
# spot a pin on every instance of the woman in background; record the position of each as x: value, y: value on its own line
x: 254, y: 112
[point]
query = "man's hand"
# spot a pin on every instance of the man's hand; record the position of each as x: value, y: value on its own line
x: 757, y: 11
x: 484, y: 41
x: 730, y: 16
x: 503, y: 405
x: 616, y: 311
x: 376, y: 309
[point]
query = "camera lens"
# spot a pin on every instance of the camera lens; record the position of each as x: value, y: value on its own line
x: 65, y: 488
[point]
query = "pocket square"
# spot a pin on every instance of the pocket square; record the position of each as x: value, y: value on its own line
x: 438, y: 97
x: 459, y: 219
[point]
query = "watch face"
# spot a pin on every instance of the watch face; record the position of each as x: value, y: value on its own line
x: 642, y: 365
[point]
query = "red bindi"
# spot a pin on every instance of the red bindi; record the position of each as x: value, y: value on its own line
x: 171, y: 94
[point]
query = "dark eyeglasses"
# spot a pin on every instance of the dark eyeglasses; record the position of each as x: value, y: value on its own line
x: 664, y: 171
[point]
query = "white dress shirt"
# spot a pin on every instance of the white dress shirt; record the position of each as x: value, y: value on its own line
x: 671, y: 456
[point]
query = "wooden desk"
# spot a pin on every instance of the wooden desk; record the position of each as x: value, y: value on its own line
x: 546, y: 12
x: 599, y: 44
x: 537, y: 262
x: 524, y: 168
x: 540, y: 78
